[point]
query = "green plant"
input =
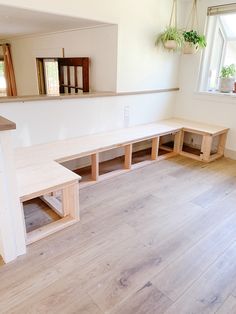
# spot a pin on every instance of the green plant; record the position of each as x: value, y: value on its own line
x: 171, y: 33
x: 228, y: 71
x: 195, y: 39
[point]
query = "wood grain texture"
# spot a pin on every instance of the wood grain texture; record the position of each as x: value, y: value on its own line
x: 149, y: 241
x: 85, y: 95
x: 37, y: 180
x: 6, y: 124
x: 69, y: 149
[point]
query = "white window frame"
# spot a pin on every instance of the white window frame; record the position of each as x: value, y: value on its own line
x: 213, y: 27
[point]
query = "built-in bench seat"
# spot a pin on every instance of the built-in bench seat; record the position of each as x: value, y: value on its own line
x: 39, y: 173
x: 43, y: 180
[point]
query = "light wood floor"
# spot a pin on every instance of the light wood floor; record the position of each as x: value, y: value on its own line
x: 160, y: 239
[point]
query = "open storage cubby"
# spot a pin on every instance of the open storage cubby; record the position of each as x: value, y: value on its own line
x: 141, y: 151
x: 207, y: 147
x: 166, y: 144
x: 111, y: 162
x: 83, y: 167
x: 51, y: 210
x: 188, y: 147
x: 38, y: 214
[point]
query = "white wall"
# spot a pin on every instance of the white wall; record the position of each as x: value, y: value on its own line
x: 45, y: 121
x: 140, y: 64
x: 100, y: 44
x: 220, y: 110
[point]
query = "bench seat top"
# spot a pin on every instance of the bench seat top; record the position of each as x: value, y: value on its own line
x: 38, y: 168
x: 197, y: 127
x: 69, y: 149
x: 34, y: 181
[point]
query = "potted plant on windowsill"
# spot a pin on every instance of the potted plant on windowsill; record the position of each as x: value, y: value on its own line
x: 227, y: 78
x: 193, y: 42
x: 171, y: 39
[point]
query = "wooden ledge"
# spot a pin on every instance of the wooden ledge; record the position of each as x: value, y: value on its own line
x: 84, y: 95
x: 6, y: 124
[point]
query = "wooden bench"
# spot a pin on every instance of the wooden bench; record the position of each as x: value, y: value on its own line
x: 208, y: 134
x: 43, y: 180
x: 40, y: 174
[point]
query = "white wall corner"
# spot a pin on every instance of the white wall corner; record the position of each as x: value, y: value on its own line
x: 12, y: 225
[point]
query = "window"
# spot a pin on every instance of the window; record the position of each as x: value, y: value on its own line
x: 63, y: 75
x: 3, y: 85
x: 221, y: 50
x: 48, y: 76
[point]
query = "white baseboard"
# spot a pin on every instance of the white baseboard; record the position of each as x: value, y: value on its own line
x: 230, y: 154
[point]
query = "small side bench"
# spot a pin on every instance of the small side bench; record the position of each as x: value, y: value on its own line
x: 208, y: 133
x: 43, y: 180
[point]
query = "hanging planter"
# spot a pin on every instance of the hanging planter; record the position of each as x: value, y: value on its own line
x: 190, y: 48
x: 172, y: 38
x: 193, y: 41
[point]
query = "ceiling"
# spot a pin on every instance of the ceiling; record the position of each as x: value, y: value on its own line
x: 18, y: 22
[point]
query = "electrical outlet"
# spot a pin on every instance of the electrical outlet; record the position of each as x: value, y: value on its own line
x: 126, y: 116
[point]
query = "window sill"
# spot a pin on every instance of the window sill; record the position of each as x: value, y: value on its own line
x: 216, y: 97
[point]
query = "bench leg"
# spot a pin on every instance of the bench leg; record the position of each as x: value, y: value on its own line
x: 206, y: 147
x: 70, y: 201
x: 178, y: 142
x: 128, y: 157
x: 222, y: 142
x: 155, y: 147
x: 95, y: 166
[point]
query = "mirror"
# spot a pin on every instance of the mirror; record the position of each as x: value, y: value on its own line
x: 49, y: 54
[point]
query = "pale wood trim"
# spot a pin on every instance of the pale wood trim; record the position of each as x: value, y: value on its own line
x: 68, y: 209
x: 49, y: 229
x: 179, y: 141
x: 166, y: 148
x: 206, y: 148
x: 104, y: 177
x: 155, y: 147
x: 221, y: 147
x: 45, y: 191
x: 192, y: 156
x: 6, y: 124
x: 95, y: 166
x: 85, y: 95
x: 119, y: 172
x: 53, y: 203
x: 128, y: 156
x: 215, y: 156
x: 70, y: 201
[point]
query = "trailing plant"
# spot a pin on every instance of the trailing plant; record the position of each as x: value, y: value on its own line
x: 171, y: 33
x: 194, y: 38
x: 228, y: 71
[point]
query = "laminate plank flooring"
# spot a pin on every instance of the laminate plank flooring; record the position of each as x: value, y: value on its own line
x: 160, y: 239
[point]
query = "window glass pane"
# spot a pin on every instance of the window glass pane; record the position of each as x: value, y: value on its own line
x: 2, y: 80
x: 229, y: 23
x: 230, y: 56
x: 216, y: 62
x: 51, y: 77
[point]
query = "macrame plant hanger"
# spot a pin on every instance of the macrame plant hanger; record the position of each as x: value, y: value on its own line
x: 171, y: 44
x: 193, y: 18
x: 192, y: 25
x: 173, y: 17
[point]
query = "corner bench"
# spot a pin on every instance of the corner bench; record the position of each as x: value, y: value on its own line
x: 39, y: 173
